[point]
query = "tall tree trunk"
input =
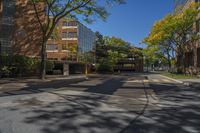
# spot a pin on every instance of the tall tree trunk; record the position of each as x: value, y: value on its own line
x: 169, y: 61
x: 181, y: 58
x: 43, y: 61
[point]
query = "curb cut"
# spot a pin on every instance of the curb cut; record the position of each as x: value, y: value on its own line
x: 181, y: 82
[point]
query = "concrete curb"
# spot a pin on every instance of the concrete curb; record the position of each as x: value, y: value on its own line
x: 48, y: 79
x: 178, y: 81
x: 185, y: 83
x: 75, y: 77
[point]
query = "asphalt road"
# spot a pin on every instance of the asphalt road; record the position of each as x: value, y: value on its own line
x: 127, y: 103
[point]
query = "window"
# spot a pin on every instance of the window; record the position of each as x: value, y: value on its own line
x: 1, y: 6
x: 64, y: 47
x: 198, y: 57
x: 64, y: 35
x: 0, y: 48
x: 189, y: 34
x: 189, y: 59
x: 5, y: 47
x: 70, y: 23
x: 52, y: 47
x: 69, y: 35
x: 64, y: 23
x: 198, y: 26
x: 72, y: 35
x: 179, y: 60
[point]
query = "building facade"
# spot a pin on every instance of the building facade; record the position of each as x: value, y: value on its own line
x: 20, y: 33
x: 7, y: 11
x: 71, y: 41
x: 19, y: 29
x: 191, y: 61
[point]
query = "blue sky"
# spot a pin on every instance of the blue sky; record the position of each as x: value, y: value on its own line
x: 133, y: 21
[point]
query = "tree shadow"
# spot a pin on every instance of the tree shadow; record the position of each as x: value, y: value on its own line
x: 87, y: 111
x: 103, y: 85
x: 38, y: 87
x: 179, y: 112
x: 74, y: 113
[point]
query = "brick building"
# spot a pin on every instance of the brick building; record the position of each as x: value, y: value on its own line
x: 71, y: 41
x: 19, y: 30
x: 191, y: 60
x: 20, y: 33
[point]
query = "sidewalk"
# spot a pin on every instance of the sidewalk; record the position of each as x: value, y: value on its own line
x: 36, y: 79
x: 191, y: 82
x: 14, y: 84
x: 188, y: 82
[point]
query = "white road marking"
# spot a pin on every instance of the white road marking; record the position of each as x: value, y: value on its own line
x: 146, y: 81
x: 137, y: 81
x: 178, y: 81
x: 166, y: 80
x: 161, y: 81
x: 156, y: 80
x: 134, y: 81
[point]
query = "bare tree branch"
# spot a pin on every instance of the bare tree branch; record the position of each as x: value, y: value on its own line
x: 38, y: 16
x: 65, y: 13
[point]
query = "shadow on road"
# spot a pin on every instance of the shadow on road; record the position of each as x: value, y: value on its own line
x: 102, y: 84
x: 88, y: 113
x: 91, y: 113
x: 179, y: 113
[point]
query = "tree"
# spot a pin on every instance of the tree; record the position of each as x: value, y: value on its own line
x: 117, y: 49
x: 100, y: 47
x: 57, y: 9
x: 160, y: 36
x: 111, y: 50
x: 182, y: 23
x: 173, y: 31
x: 152, y: 56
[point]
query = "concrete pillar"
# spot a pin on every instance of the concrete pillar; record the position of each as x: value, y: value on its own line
x: 66, y: 69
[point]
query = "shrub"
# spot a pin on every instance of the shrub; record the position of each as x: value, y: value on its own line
x: 49, y: 66
x: 18, y: 65
x: 105, y: 67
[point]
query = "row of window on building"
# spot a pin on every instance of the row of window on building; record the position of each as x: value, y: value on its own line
x: 5, y: 46
x: 69, y: 35
x: 69, y: 23
x: 68, y: 46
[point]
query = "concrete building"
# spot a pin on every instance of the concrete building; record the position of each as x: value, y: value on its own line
x: 70, y: 42
x: 19, y: 30
x: 191, y: 56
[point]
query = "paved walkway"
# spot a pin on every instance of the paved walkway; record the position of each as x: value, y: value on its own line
x: 12, y: 84
x: 35, y: 79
